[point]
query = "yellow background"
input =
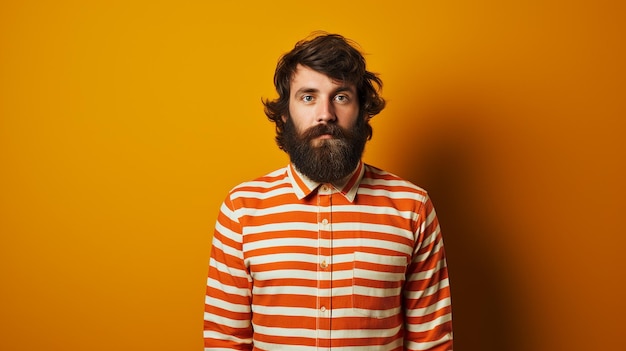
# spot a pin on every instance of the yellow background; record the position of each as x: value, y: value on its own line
x: 124, y: 123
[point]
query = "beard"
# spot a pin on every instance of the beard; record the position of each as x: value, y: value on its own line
x: 331, y: 159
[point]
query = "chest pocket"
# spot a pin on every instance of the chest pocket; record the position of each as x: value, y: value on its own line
x: 377, y: 282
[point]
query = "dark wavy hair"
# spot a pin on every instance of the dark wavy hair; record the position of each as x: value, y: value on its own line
x: 336, y: 57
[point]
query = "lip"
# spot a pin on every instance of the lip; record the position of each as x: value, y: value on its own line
x: 319, y: 140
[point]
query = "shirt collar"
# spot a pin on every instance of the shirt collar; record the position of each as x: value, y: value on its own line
x: 303, y: 185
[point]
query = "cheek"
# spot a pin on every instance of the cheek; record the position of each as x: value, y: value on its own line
x: 349, y: 116
x: 299, y: 118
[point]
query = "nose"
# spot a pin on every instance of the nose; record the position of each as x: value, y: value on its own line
x: 326, y: 112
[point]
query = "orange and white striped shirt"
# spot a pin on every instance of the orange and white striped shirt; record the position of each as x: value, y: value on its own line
x: 301, y: 266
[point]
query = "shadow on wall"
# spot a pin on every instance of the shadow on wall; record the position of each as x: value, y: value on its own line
x: 454, y: 166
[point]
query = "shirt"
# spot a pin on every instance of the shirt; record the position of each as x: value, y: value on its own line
x: 301, y: 266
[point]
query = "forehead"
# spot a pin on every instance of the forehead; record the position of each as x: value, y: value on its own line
x: 305, y: 78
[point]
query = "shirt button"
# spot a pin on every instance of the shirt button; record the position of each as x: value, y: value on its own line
x: 323, y: 264
x: 324, y: 221
x: 323, y: 309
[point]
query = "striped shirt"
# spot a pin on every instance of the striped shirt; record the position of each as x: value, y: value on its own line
x: 301, y: 266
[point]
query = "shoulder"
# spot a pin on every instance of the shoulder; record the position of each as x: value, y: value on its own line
x: 375, y: 176
x: 267, y: 183
x: 384, y: 187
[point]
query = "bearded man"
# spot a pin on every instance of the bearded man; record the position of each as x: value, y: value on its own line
x: 327, y: 253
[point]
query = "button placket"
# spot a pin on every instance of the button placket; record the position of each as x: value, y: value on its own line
x: 324, y: 259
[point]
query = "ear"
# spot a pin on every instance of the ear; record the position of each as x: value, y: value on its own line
x: 284, y: 118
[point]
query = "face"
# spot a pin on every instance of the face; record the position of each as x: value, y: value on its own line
x: 323, y: 134
x: 317, y: 99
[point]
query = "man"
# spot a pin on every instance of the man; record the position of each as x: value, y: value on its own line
x: 327, y: 253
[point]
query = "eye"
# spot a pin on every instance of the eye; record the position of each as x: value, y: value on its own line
x: 342, y: 99
x: 307, y: 98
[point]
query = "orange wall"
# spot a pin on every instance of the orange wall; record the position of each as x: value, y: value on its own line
x: 123, y: 126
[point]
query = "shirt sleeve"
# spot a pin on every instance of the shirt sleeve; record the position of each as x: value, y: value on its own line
x: 428, y: 309
x: 227, y: 313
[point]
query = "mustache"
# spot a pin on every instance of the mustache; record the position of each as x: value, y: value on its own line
x: 325, y: 129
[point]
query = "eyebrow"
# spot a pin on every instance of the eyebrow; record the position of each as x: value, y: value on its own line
x: 341, y: 89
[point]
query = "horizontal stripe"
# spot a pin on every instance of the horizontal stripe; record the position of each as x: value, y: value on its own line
x: 414, y: 295
x: 382, y: 243
x: 430, y: 325
x: 212, y: 283
x: 221, y: 267
x: 336, y: 227
x: 338, y: 259
x: 221, y: 336
x: 256, y: 195
x: 226, y: 305
x: 362, y: 209
x: 273, y: 347
x: 335, y: 334
x: 266, y: 184
x: 276, y: 227
x: 427, y: 345
x: 421, y: 312
x: 286, y: 311
x: 233, y: 323
x: 393, y: 194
